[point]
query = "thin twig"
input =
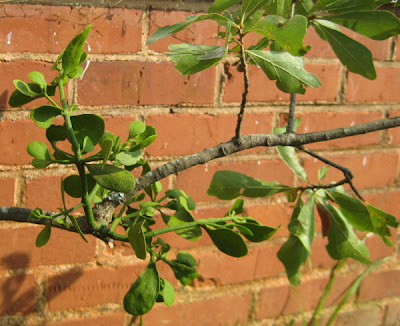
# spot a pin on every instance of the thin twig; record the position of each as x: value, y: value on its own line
x: 246, y: 82
x: 347, y: 173
x: 292, y: 107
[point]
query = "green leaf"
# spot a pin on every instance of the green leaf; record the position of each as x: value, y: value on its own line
x: 88, y: 128
x: 44, y: 236
x: 168, y: 293
x: 112, y: 177
x: 288, y: 155
x: 172, y: 29
x: 259, y: 232
x: 27, y: 89
x: 293, y: 254
x: 177, y: 193
x: 335, y: 6
x: 227, y: 241
x: 129, y: 158
x: 352, y: 54
x: 221, y: 5
x: 56, y: 133
x: 236, y: 208
x: 38, y: 150
x: 146, y: 138
x: 40, y: 164
x: 378, y: 25
x: 44, y: 115
x: 229, y: 185
x: 249, y: 7
x: 342, y: 241
x: 303, y: 225
x: 71, y: 58
x: 303, y: 7
x: 106, y: 149
x: 381, y: 221
x: 137, y: 240
x: 38, y: 78
x: 286, y: 69
x: 322, y: 172
x: 136, y: 128
x: 18, y: 99
x: 187, y: 259
x: 73, y: 186
x: 192, y: 58
x: 184, y: 273
x: 143, y: 293
x: 279, y: 7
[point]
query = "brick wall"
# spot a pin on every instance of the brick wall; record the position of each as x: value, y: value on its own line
x: 69, y: 282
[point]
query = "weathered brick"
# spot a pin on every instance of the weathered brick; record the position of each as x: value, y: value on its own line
x: 7, y: 189
x: 204, y: 32
x: 18, y: 250
x: 90, y: 287
x: 370, y: 170
x: 393, y: 134
x: 19, y: 69
x: 370, y: 316
x: 264, y: 90
x: 195, y: 181
x: 50, y: 28
x: 392, y: 315
x: 380, y: 285
x: 143, y: 83
x: 383, y: 89
x: 104, y: 319
x: 18, y: 294
x: 317, y: 121
x: 229, y: 310
x: 184, y: 134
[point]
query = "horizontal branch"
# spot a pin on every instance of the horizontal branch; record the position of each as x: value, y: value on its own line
x: 256, y: 140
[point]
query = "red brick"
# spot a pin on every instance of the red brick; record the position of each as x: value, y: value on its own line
x: 14, y: 138
x: 227, y: 310
x: 19, y: 69
x: 143, y: 83
x: 18, y: 248
x: 393, y: 134
x: 220, y: 269
x: 366, y: 317
x: 319, y: 48
x: 90, y: 287
x: 278, y: 300
x: 102, y: 320
x: 264, y: 90
x: 204, y: 32
x: 184, y: 134
x: 379, y: 49
x: 45, y: 192
x: 195, y: 181
x: 18, y: 294
x: 380, y: 285
x: 392, y: 315
x: 387, y: 202
x: 397, y: 52
x: 370, y: 170
x: 317, y: 121
x: 7, y: 190
x: 377, y: 248
x: 383, y: 89
x: 52, y: 27
x: 319, y: 256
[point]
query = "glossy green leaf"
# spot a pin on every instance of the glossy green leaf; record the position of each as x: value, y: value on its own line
x: 352, y: 54
x: 18, y: 99
x: 136, y: 128
x: 27, y: 89
x: 44, y: 115
x: 129, y: 158
x: 382, y: 221
x: 172, y: 29
x: 56, y: 133
x: 73, y: 187
x: 38, y: 150
x: 44, y: 236
x: 221, y: 5
x: 292, y: 253
x: 89, y: 126
x: 71, y: 58
x: 378, y: 25
x: 259, y: 232
x: 229, y: 185
x: 303, y: 225
x: 137, y: 240
x: 38, y: 78
x: 236, y: 208
x: 112, y: 177
x: 227, y: 241
x: 279, y: 7
x: 177, y: 193
x: 335, y: 6
x: 143, y: 293
x: 342, y: 241
x: 184, y: 273
x: 192, y: 58
x: 286, y: 69
x: 181, y: 217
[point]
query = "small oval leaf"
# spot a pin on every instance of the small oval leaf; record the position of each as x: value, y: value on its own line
x: 112, y: 177
x: 44, y: 115
x: 44, y: 236
x: 228, y: 241
x: 137, y: 240
x: 38, y: 150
